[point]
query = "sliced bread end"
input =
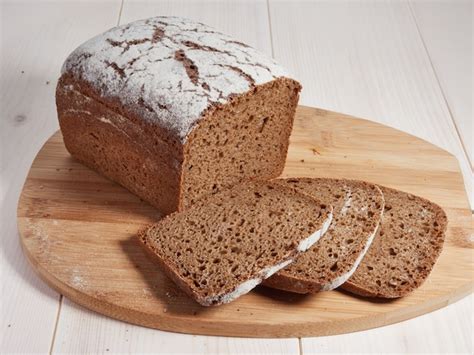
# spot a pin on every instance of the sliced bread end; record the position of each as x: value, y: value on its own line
x: 408, y: 243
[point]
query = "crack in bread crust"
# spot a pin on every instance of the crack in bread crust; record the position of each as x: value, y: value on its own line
x: 142, y: 65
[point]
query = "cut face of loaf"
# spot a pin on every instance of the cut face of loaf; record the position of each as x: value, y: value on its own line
x: 407, y: 245
x: 358, y: 207
x: 247, y: 138
x: 226, y: 244
x: 174, y: 110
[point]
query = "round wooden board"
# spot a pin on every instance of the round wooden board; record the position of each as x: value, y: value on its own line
x: 77, y: 229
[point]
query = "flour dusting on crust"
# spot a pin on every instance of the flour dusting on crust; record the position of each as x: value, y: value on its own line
x: 169, y: 70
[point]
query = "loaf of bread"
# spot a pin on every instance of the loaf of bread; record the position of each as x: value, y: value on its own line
x: 174, y: 110
x: 358, y: 207
x: 226, y: 244
x: 409, y: 240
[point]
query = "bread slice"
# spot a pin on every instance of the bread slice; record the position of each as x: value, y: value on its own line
x: 358, y: 207
x: 225, y: 245
x: 407, y: 245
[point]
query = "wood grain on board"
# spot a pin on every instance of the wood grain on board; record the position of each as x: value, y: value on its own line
x: 77, y: 229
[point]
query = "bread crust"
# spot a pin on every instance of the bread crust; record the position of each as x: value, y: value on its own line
x: 119, y: 147
x: 140, y: 155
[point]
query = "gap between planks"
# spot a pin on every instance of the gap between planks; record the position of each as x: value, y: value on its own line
x: 300, y: 346
x: 56, y: 324
x: 120, y: 12
x: 270, y: 28
x: 435, y: 74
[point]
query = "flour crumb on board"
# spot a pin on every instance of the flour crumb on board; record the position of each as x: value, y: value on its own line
x: 77, y: 280
x: 146, y: 292
x: 38, y: 231
x: 347, y: 202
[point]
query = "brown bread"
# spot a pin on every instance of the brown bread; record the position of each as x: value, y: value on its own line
x: 226, y: 244
x: 174, y: 110
x: 329, y: 263
x: 407, y: 245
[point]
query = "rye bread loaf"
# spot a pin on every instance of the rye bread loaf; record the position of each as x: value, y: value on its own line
x: 407, y: 245
x: 358, y: 207
x: 225, y: 245
x: 173, y: 110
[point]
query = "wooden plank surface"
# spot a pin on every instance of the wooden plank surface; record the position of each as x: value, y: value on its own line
x: 443, y: 331
x: 446, y: 30
x: 242, y: 19
x: 82, y: 332
x: 36, y: 37
x: 367, y: 59
x: 79, y: 229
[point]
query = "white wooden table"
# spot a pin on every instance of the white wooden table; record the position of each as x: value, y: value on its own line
x: 405, y: 64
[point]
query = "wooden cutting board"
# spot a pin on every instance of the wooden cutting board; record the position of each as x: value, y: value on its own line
x: 77, y: 231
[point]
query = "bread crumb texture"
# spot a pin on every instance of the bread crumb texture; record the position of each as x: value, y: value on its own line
x: 226, y: 244
x: 405, y: 249
x: 358, y: 207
